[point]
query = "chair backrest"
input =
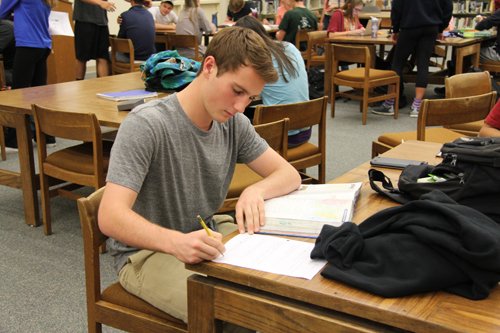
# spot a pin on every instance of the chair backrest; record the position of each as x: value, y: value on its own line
x: 467, y: 84
x: 122, y: 45
x: 93, y: 238
x: 351, y: 54
x: 315, y: 39
x: 176, y: 41
x: 450, y: 111
x: 73, y: 126
x: 302, y: 114
x: 300, y: 38
x: 276, y: 135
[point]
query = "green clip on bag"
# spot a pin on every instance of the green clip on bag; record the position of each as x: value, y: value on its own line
x: 167, y: 70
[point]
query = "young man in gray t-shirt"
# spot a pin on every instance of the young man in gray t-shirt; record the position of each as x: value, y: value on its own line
x: 174, y: 159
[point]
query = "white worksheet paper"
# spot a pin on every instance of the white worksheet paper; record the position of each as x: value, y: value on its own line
x: 272, y: 254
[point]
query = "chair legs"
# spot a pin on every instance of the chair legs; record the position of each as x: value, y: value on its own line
x: 45, y: 198
x: 2, y: 144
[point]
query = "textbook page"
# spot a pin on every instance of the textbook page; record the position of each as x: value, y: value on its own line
x: 127, y: 95
x: 303, y: 213
x: 272, y: 254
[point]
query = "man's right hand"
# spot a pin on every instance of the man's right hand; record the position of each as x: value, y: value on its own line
x: 196, y: 246
x: 107, y: 6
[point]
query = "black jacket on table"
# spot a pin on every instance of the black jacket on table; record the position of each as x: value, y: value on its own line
x: 491, y: 21
x: 426, y: 245
x: 411, y: 14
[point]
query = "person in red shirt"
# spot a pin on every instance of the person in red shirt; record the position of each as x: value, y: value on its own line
x: 345, y: 20
x: 491, y: 126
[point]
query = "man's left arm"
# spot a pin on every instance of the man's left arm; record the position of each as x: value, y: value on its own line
x: 279, y: 178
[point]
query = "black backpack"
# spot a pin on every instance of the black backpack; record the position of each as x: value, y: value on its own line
x: 469, y: 174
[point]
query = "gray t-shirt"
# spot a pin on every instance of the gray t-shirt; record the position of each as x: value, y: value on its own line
x: 177, y: 169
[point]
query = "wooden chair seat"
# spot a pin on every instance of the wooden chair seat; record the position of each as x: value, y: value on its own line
x: 78, y: 158
x: 117, y: 295
x: 243, y: 177
x: 304, y: 150
x: 435, y: 134
x: 358, y: 74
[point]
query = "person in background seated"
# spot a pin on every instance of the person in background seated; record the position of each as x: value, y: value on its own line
x: 416, y: 26
x: 328, y: 7
x: 92, y: 35
x: 193, y: 21
x: 345, y: 21
x: 237, y: 9
x: 138, y: 24
x: 489, y: 50
x: 33, y: 45
x: 282, y: 9
x: 174, y: 158
x: 299, y: 18
x: 292, y: 85
x: 491, y: 126
x: 164, y: 16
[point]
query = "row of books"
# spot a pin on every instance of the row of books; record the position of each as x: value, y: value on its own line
x: 471, y: 7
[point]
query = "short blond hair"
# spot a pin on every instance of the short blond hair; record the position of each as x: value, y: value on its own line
x: 235, y: 47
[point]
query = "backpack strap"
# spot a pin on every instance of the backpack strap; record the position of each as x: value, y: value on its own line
x: 389, y: 191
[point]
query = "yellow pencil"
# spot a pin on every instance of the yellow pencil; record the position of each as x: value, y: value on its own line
x: 204, y: 225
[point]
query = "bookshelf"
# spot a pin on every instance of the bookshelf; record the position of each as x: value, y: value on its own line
x: 464, y: 11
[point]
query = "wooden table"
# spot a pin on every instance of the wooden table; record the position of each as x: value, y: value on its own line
x: 274, y: 303
x: 75, y: 96
x: 463, y: 47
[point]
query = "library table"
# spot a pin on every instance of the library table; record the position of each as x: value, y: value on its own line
x: 275, y: 303
x: 462, y: 47
x: 75, y: 96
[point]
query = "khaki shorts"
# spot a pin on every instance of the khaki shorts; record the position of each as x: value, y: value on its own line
x: 161, y: 279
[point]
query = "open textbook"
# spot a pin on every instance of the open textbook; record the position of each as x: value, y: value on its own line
x: 303, y: 213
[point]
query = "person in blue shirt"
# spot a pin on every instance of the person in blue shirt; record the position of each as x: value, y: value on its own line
x: 138, y: 25
x: 33, y: 45
x: 292, y: 85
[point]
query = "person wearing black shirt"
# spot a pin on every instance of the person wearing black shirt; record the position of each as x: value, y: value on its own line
x: 489, y: 51
x: 238, y: 9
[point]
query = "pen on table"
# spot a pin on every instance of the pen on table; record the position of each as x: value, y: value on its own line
x: 204, y: 225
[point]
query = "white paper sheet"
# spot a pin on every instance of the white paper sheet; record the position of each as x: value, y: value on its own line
x: 272, y: 254
x: 59, y: 24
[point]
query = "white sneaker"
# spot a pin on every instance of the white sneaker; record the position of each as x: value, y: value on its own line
x: 413, y: 112
x: 383, y: 110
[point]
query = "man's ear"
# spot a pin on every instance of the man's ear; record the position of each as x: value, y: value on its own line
x: 209, y: 65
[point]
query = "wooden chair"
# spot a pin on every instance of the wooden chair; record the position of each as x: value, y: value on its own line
x: 300, y: 38
x: 439, y: 112
x: 276, y: 135
x: 176, y: 41
x: 303, y: 114
x: 362, y: 79
x: 84, y: 164
x: 123, y: 45
x: 114, y: 306
x: 464, y: 85
x: 315, y: 43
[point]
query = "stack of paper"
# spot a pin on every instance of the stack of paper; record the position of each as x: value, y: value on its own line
x: 303, y: 213
x: 128, y: 95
